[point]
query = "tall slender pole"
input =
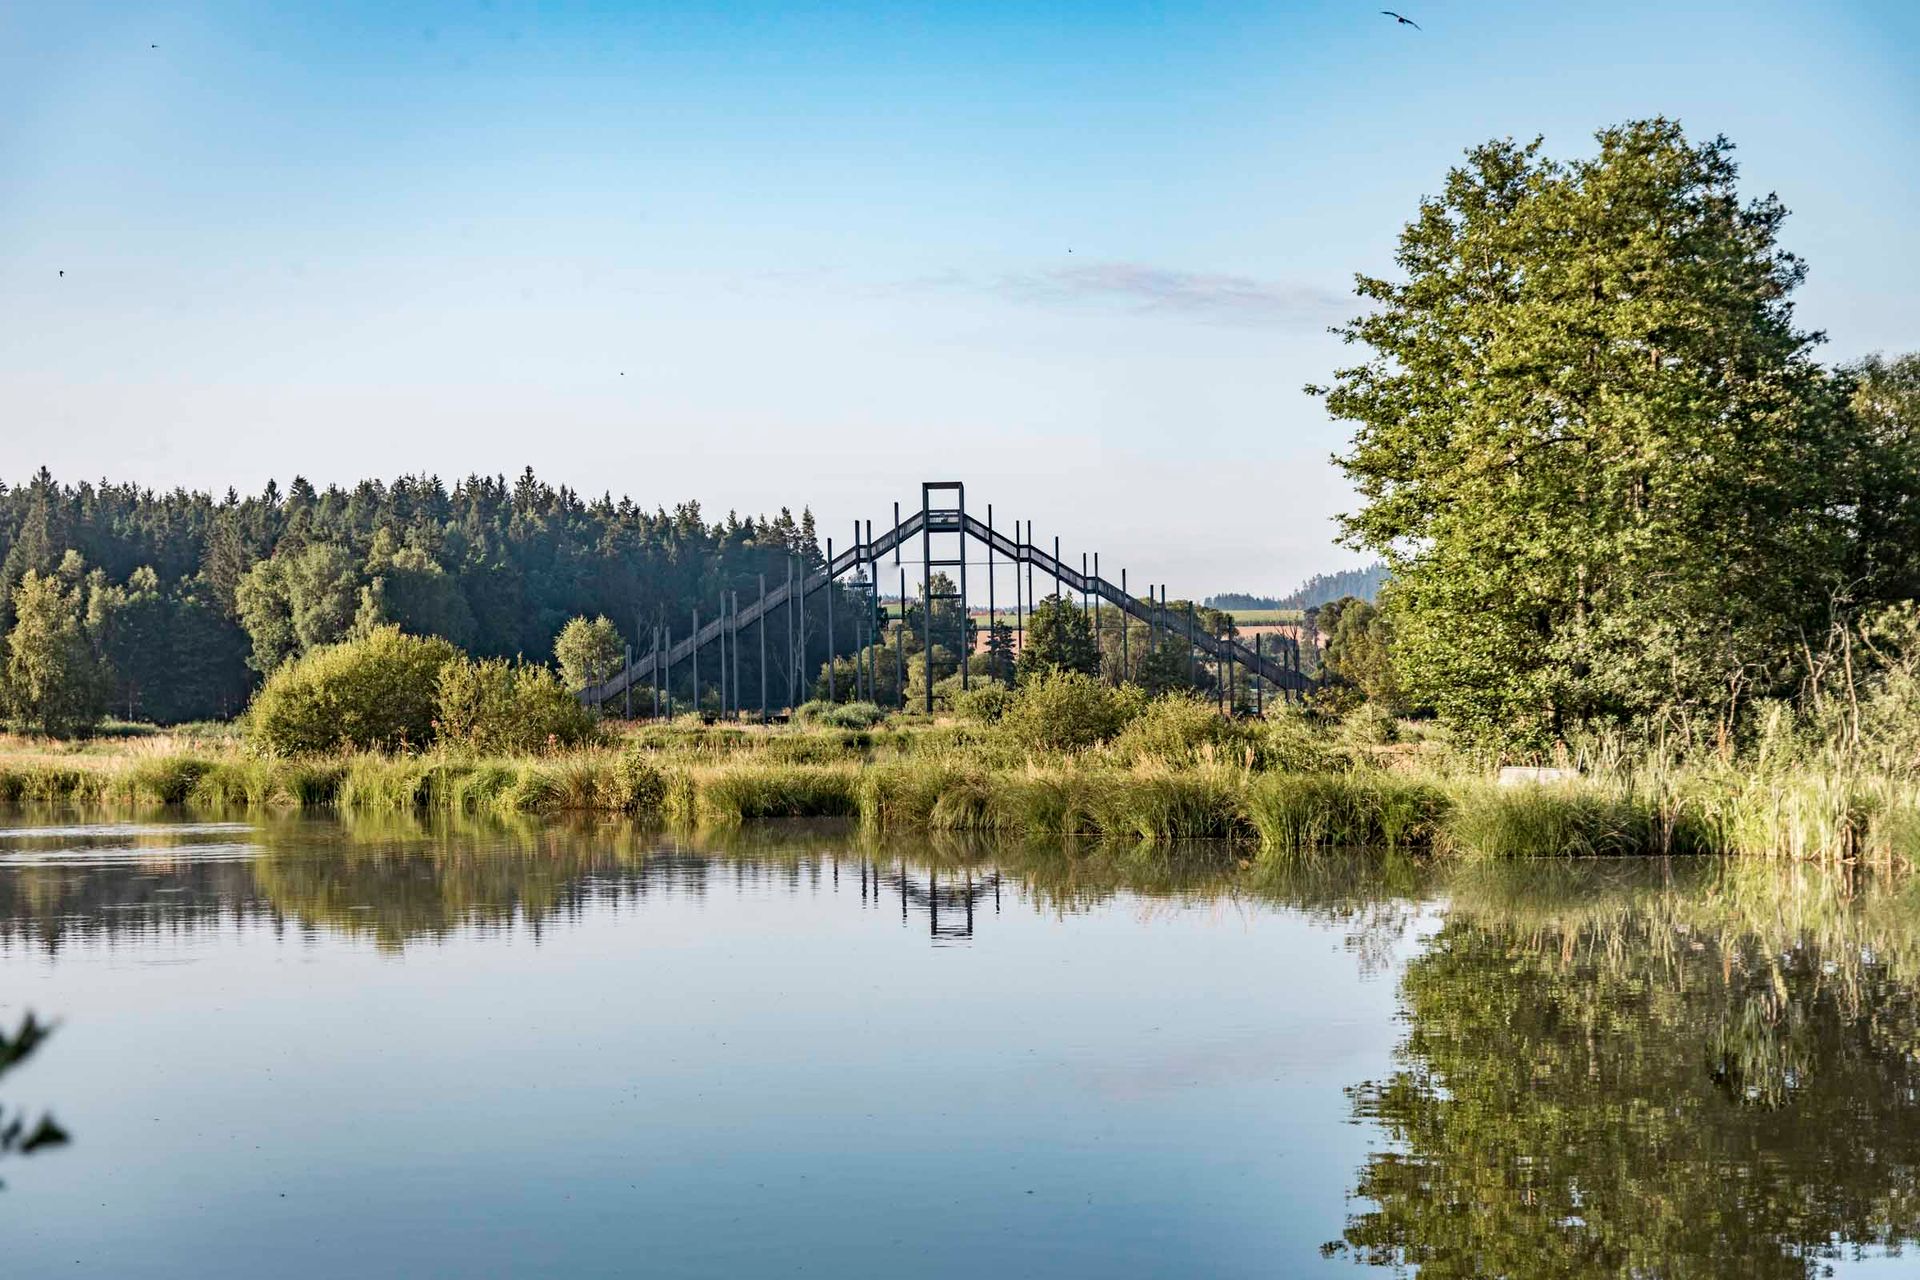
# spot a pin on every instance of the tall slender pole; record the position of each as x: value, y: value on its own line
x: 900, y: 639
x: 720, y: 635
x: 1019, y: 618
x: 1058, y: 589
x: 669, y: 678
x: 831, y: 658
x: 874, y: 638
x: 626, y: 689
x: 763, y: 648
x: 966, y: 601
x: 1193, y: 658
x: 803, y: 688
x: 1126, y: 664
x: 1100, y: 654
x: 1030, y: 600
x: 992, y: 617
x: 926, y: 595
x: 1259, y: 656
x: 789, y: 612
x: 733, y: 616
x: 695, y: 638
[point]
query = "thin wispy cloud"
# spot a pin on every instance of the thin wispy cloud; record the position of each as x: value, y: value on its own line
x: 1207, y: 297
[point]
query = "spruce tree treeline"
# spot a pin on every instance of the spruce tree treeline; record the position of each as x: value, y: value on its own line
x: 192, y: 598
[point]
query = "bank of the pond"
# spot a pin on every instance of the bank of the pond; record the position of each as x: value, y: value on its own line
x: 1831, y: 817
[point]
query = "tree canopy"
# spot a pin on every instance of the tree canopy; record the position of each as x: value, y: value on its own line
x: 1607, y: 475
x: 192, y: 598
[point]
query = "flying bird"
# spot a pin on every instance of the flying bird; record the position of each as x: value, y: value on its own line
x: 1397, y: 18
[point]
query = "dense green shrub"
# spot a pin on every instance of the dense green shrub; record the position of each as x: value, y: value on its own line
x: 638, y: 785
x: 493, y: 705
x: 839, y: 715
x: 377, y: 692
x: 985, y: 703
x: 1065, y: 711
x: 1289, y: 740
x: 1180, y: 729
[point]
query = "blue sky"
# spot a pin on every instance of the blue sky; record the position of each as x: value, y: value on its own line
x: 1081, y: 256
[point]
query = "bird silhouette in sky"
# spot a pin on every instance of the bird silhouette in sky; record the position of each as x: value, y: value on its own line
x: 1397, y: 18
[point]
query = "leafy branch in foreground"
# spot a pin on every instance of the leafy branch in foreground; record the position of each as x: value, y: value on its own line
x: 17, y: 1135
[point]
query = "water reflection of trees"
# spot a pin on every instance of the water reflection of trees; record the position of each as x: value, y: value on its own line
x: 1648, y: 1071
x: 398, y: 880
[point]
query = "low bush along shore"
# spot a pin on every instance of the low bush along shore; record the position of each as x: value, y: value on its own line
x: 1285, y: 783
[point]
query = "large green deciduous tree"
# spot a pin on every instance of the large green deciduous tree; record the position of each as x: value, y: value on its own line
x: 1885, y: 405
x: 1608, y: 477
x: 1059, y: 638
x: 588, y: 652
x: 296, y: 602
x: 54, y: 683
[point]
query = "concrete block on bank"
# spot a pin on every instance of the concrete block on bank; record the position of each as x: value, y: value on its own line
x: 1516, y: 775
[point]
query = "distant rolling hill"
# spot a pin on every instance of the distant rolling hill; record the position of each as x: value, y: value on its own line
x: 1321, y: 588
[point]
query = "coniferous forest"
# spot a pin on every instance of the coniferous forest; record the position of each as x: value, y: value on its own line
x: 190, y: 598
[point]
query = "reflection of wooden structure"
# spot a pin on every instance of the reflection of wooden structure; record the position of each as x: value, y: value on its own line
x: 949, y: 907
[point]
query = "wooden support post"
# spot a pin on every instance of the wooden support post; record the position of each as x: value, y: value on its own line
x: 992, y: 617
x: 1019, y: 618
x: 1126, y: 625
x: 900, y: 641
x: 1059, y: 588
x: 926, y: 594
x: 1027, y: 546
x: 874, y: 638
x: 1193, y: 658
x: 669, y: 680
x: 763, y: 648
x: 1099, y: 652
x: 830, y: 650
x: 733, y: 614
x: 1259, y: 700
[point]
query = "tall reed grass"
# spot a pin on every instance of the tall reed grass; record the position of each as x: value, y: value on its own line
x: 957, y: 779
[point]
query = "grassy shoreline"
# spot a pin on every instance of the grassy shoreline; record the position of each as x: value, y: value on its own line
x: 936, y: 779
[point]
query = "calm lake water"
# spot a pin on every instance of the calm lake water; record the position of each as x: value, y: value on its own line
x: 303, y: 1048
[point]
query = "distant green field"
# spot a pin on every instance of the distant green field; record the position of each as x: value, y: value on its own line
x: 1257, y: 617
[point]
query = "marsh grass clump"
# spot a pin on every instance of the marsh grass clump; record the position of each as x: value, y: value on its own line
x: 904, y: 793
x: 1309, y: 811
x: 1549, y: 820
x: 373, y: 782
x: 1158, y: 803
x: 238, y: 783
x: 739, y: 793
x: 636, y: 784
x: 169, y: 780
